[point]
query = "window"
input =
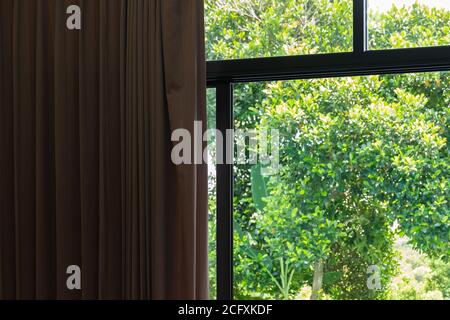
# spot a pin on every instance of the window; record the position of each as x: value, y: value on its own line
x: 361, y: 172
x: 356, y: 205
x: 408, y: 23
x: 268, y: 28
x: 212, y: 199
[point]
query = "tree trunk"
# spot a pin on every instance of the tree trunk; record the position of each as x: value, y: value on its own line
x: 318, y: 279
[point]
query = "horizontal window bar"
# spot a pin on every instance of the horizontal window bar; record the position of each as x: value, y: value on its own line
x: 330, y: 65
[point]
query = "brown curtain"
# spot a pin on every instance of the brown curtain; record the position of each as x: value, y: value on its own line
x: 86, y: 176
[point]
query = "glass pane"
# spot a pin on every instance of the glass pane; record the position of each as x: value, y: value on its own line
x: 211, y: 110
x: 238, y: 29
x: 351, y: 200
x: 408, y: 23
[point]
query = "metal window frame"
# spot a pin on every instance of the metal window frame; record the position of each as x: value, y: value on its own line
x: 361, y: 61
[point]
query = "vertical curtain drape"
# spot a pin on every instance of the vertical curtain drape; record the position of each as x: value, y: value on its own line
x: 86, y: 176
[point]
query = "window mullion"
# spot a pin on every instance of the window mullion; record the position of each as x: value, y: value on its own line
x: 224, y: 232
x: 359, y: 26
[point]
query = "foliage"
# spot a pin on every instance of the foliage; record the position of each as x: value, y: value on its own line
x: 439, y: 279
x: 408, y: 27
x: 421, y: 277
x: 258, y: 28
x: 285, y: 280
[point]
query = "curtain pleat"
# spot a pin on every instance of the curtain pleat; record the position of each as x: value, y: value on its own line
x: 45, y: 153
x: 85, y: 125
x: 67, y: 151
x: 7, y: 189
x: 24, y: 112
x: 90, y: 110
x: 185, y: 91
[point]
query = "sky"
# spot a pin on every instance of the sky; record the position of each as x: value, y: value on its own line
x: 383, y: 5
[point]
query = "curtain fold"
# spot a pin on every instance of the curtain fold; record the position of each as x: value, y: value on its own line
x: 85, y: 123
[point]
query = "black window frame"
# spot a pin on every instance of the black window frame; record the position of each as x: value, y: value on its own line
x: 222, y: 74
